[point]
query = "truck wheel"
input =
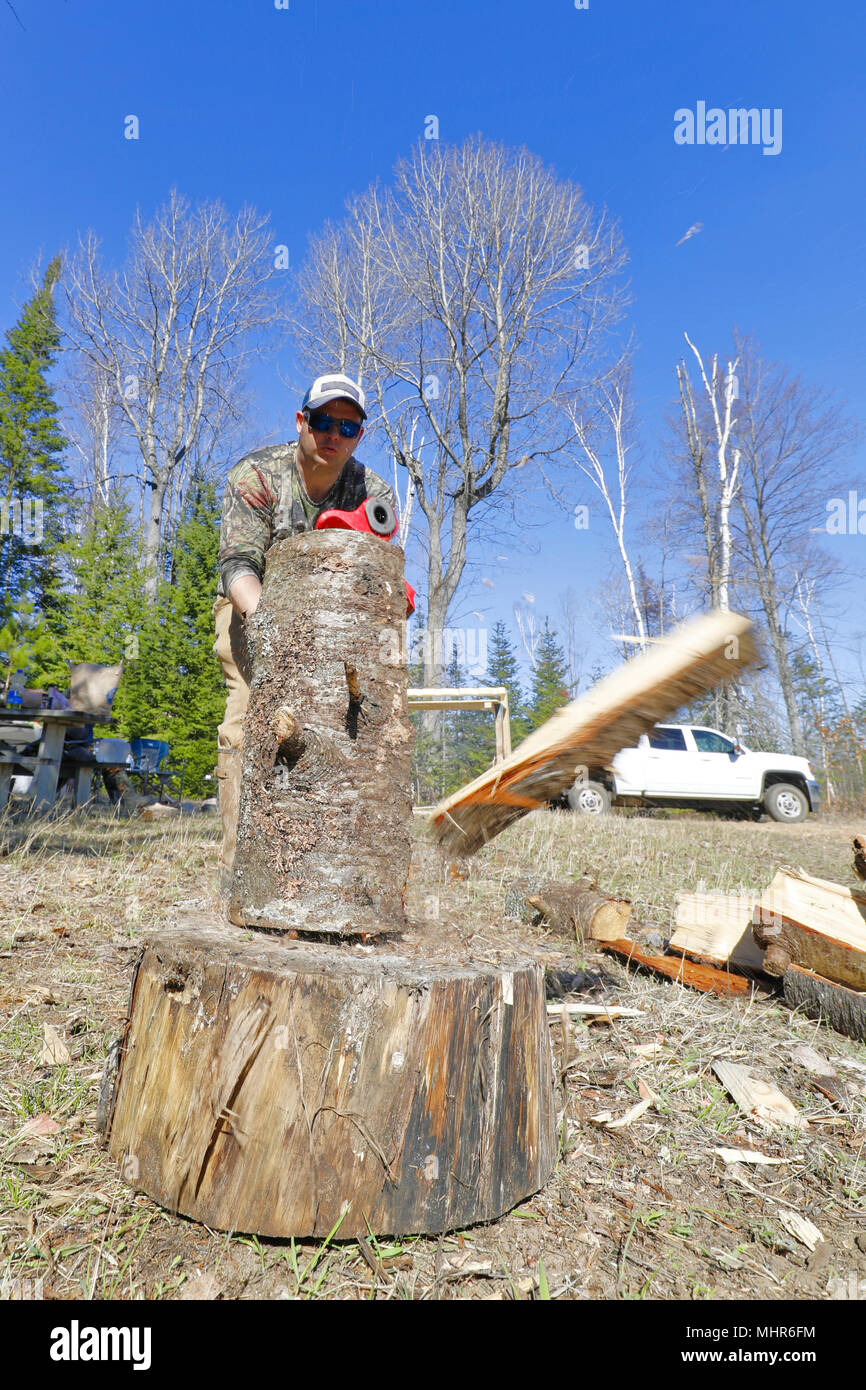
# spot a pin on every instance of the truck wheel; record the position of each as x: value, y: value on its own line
x: 589, y: 798
x: 785, y: 802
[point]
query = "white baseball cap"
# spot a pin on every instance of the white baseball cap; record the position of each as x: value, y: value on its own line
x: 334, y: 387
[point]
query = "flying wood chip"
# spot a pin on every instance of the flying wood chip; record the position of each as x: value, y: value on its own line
x: 699, y: 656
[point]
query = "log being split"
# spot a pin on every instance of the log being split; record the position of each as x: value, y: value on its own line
x: 325, y: 813
x: 698, y: 656
x: 283, y: 1088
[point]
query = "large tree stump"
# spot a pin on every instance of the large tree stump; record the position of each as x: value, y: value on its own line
x: 282, y: 1087
x: 325, y: 813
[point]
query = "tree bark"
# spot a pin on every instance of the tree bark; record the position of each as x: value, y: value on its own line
x: 324, y: 828
x: 844, y: 1009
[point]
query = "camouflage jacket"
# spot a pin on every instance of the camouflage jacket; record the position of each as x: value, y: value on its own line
x: 265, y: 501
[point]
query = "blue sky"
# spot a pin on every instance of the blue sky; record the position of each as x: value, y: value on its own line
x: 294, y: 109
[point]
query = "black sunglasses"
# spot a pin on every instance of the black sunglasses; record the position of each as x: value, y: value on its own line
x: 323, y: 424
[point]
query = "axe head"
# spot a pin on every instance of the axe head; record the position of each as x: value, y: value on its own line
x: 375, y: 516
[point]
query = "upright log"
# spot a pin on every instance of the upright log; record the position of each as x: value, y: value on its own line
x: 325, y: 814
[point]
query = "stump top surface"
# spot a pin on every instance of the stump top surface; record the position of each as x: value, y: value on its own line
x: 410, y: 957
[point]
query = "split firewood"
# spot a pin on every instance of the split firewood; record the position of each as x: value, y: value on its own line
x: 716, y: 928
x: 815, y: 924
x: 860, y: 855
x: 844, y: 1009
x: 54, y: 1052
x: 698, y: 656
x: 686, y: 972
x: 578, y: 908
x: 758, y: 1098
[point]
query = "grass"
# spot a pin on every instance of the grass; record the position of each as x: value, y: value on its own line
x: 647, y: 1212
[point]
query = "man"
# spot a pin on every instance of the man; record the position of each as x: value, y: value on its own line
x: 273, y: 493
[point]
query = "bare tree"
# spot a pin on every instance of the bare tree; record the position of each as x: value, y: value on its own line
x: 474, y: 296
x: 571, y: 610
x: 171, y: 331
x: 94, y: 427
x: 612, y: 481
x: 716, y: 491
x: 805, y: 592
x: 791, y: 439
x: 528, y: 629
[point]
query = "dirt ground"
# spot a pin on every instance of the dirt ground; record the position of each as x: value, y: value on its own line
x: 646, y: 1210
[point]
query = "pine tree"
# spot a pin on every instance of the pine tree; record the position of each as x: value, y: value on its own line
x: 34, y: 488
x: 503, y: 668
x: 103, y: 609
x: 199, y: 702
x: 172, y: 687
x: 549, y: 679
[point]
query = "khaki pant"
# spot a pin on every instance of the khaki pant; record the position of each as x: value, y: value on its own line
x: 230, y: 649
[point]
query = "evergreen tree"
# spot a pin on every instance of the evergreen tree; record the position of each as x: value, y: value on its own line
x: 28, y: 645
x: 103, y: 610
x: 503, y: 668
x: 172, y: 686
x: 34, y: 489
x: 549, y: 679
x: 197, y: 695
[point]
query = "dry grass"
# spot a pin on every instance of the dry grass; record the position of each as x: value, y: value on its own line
x: 646, y: 1211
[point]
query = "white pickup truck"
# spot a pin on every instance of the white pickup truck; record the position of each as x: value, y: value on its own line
x: 684, y: 766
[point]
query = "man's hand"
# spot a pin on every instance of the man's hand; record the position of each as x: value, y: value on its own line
x: 244, y: 595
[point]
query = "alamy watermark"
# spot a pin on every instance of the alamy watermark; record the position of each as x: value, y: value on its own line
x: 845, y: 516
x: 22, y: 519
x: 737, y: 126
x: 436, y: 646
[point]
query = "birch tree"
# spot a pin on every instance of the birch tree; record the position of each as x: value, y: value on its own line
x: 472, y: 297
x: 171, y: 331
x: 611, y: 480
x: 720, y: 394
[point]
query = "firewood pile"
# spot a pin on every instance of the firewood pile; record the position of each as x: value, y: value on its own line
x: 805, y: 935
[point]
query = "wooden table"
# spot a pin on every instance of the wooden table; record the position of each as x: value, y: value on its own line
x: 45, y: 765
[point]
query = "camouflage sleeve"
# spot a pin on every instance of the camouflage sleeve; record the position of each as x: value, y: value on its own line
x: 247, y: 528
x: 377, y: 487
